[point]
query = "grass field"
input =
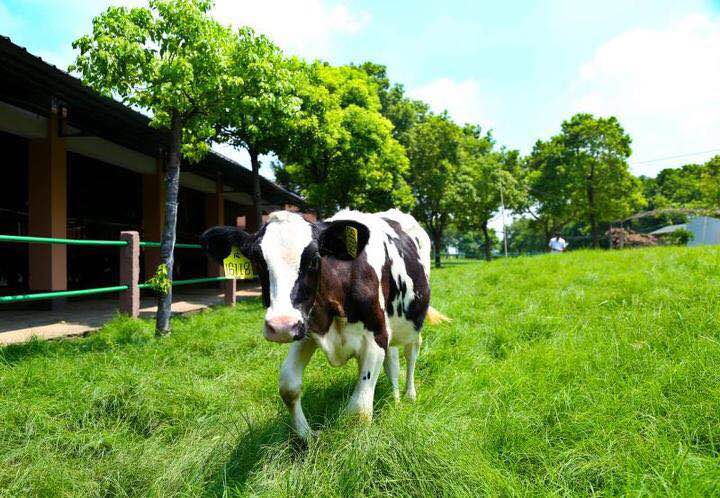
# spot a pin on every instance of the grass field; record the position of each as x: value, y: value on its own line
x: 591, y: 372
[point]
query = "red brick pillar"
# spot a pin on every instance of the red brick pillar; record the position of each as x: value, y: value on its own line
x: 230, y: 286
x: 130, y: 274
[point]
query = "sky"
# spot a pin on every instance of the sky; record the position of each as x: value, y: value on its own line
x: 518, y: 68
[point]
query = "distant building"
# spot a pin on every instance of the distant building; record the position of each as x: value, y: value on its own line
x: 705, y: 230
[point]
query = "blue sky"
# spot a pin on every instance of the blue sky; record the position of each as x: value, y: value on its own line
x: 517, y: 67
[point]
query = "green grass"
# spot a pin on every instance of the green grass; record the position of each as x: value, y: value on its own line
x: 590, y: 372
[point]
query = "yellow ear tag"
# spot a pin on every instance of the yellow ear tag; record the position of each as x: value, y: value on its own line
x: 351, y: 241
x: 237, y: 266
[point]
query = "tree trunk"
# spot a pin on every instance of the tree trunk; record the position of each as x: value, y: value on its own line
x: 437, y: 243
x: 488, y: 245
x: 257, y: 197
x: 593, y: 218
x: 167, y: 244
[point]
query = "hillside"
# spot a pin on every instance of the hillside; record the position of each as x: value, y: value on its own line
x: 560, y: 374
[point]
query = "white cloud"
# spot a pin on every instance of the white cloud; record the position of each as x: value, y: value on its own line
x: 462, y: 99
x: 303, y: 27
x: 664, y: 87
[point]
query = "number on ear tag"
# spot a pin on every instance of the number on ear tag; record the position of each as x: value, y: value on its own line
x: 351, y: 241
x: 237, y: 266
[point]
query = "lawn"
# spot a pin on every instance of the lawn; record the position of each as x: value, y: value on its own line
x: 590, y: 372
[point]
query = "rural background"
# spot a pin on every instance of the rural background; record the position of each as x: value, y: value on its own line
x: 128, y: 128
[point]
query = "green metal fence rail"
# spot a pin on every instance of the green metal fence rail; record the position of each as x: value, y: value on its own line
x: 177, y: 246
x: 99, y: 290
x: 51, y: 295
x: 70, y: 242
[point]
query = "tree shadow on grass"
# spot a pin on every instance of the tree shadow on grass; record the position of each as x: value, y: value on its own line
x: 323, y: 408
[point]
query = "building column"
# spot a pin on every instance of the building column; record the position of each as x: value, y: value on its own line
x: 215, y: 215
x: 153, y: 216
x: 47, y: 196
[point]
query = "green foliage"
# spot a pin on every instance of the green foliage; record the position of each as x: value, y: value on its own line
x: 526, y: 236
x: 434, y: 153
x: 471, y: 244
x: 262, y: 101
x: 582, y: 173
x: 403, y: 113
x: 710, y: 183
x: 160, y: 282
x: 674, y: 187
x: 584, y: 374
x: 170, y: 59
x: 487, y: 179
x: 342, y: 152
x: 680, y: 237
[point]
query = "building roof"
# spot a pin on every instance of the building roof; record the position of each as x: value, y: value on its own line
x: 28, y: 82
x: 669, y: 229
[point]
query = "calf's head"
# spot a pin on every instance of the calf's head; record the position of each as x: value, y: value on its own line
x: 287, y: 254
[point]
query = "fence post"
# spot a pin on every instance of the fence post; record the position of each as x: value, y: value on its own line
x: 230, y: 286
x: 130, y: 274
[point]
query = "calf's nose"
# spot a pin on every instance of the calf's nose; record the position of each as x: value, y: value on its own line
x: 284, y: 329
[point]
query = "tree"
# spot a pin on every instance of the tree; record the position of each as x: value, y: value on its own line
x: 487, y: 180
x: 403, y: 113
x: 172, y: 60
x: 710, y: 183
x: 602, y: 188
x: 341, y: 152
x: 674, y: 187
x: 262, y: 102
x: 434, y: 175
x: 582, y: 174
x: 545, y: 177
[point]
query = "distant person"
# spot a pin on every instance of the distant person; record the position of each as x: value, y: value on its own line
x: 557, y: 244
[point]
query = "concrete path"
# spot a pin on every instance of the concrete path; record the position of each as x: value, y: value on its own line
x: 80, y: 317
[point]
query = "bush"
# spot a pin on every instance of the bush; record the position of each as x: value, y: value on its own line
x: 680, y: 237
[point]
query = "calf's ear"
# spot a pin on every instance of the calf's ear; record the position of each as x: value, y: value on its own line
x: 217, y: 242
x: 343, y: 239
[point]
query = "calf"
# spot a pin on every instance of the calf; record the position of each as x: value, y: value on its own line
x: 355, y: 286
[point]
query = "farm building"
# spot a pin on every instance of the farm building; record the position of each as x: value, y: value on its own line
x: 78, y: 165
x: 704, y: 229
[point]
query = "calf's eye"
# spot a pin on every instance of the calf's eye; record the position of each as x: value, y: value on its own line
x: 314, y: 262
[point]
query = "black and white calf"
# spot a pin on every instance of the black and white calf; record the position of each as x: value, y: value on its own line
x: 356, y: 286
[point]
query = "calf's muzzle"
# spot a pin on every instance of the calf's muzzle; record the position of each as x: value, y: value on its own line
x: 284, y: 329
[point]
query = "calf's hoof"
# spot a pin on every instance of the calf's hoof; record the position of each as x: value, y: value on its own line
x: 411, y: 395
x: 362, y: 414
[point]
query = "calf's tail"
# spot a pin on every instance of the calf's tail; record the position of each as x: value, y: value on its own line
x: 434, y: 317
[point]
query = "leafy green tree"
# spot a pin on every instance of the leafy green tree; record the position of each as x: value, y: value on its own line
x: 602, y: 188
x: 435, y: 175
x: 487, y: 180
x: 525, y: 235
x: 341, y: 151
x: 583, y: 174
x: 710, y: 183
x: 674, y: 187
x: 403, y: 112
x: 172, y: 60
x: 545, y: 177
x: 262, y: 102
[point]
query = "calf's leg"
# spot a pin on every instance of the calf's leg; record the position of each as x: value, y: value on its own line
x: 370, y: 361
x: 411, y: 353
x: 392, y: 370
x: 291, y: 383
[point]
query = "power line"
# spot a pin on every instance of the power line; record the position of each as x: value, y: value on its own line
x: 676, y: 157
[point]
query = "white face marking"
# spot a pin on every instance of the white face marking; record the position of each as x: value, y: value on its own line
x: 286, y: 237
